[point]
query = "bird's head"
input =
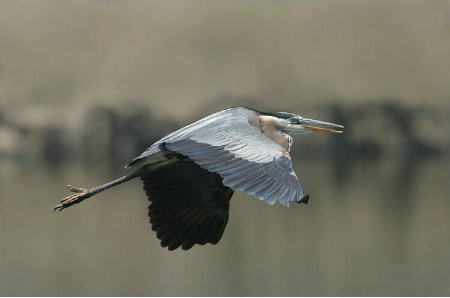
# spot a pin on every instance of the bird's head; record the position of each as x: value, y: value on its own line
x: 295, y: 124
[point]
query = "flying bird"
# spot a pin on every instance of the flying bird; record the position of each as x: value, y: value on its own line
x: 191, y: 174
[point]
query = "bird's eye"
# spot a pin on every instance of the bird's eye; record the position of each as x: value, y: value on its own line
x: 295, y: 120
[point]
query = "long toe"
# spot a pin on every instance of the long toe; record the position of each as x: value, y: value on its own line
x: 79, y: 196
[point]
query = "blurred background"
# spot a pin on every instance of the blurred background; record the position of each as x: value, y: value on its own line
x: 87, y: 85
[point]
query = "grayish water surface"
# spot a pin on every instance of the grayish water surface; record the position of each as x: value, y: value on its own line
x: 371, y: 228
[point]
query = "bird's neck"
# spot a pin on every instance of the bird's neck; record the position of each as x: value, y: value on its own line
x: 269, y: 126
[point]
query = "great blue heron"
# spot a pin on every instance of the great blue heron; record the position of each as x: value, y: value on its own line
x: 190, y: 175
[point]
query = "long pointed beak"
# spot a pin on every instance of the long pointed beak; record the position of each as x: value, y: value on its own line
x: 316, y: 125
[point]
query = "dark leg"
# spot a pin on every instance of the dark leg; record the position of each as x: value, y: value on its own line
x: 82, y: 194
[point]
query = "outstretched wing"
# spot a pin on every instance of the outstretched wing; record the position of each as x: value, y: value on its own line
x: 228, y: 144
x: 188, y: 204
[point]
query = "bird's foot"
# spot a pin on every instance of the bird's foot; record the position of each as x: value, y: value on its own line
x: 79, y: 196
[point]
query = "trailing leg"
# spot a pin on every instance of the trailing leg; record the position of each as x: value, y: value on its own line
x: 81, y: 194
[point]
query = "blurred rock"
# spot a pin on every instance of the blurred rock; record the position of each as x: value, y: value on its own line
x: 116, y: 135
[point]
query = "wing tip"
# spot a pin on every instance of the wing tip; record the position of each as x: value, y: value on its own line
x: 304, y: 200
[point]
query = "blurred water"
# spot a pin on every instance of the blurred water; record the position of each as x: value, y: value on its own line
x: 371, y: 228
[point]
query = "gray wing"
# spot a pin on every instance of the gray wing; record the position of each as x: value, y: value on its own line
x: 226, y: 143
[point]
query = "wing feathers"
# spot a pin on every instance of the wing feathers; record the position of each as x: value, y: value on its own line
x: 189, y: 205
x: 246, y: 168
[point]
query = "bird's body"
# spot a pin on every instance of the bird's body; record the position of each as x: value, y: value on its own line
x: 190, y: 175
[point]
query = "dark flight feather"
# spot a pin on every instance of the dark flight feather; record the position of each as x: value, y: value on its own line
x: 188, y: 204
